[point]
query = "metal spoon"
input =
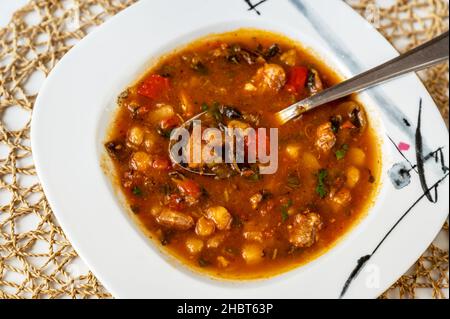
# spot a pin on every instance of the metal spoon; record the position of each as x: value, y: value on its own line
x: 424, y: 56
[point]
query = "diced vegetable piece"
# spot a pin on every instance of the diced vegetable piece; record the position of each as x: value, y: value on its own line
x: 325, y: 138
x: 149, y: 141
x: 204, y: 227
x: 356, y: 156
x: 304, y: 231
x: 310, y: 161
x: 293, y: 150
x: 136, y: 135
x: 252, y: 253
x: 221, y: 217
x: 223, y: 262
x: 176, y: 220
x: 297, y: 79
x: 141, y: 161
x: 353, y: 176
x: 176, y: 202
x: 162, y: 164
x: 153, y: 86
x: 194, y: 245
x: 348, y: 125
x: 289, y: 57
x: 189, y: 187
x: 170, y: 122
x: 162, y: 112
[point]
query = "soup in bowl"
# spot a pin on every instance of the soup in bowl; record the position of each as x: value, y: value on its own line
x: 242, y: 223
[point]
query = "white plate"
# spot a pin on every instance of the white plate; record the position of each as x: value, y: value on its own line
x: 77, y: 101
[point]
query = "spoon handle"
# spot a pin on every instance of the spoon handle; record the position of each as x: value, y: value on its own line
x: 424, y: 56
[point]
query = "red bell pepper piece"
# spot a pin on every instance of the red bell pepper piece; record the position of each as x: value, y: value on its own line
x: 297, y: 79
x: 189, y: 187
x: 170, y: 122
x: 153, y: 86
x: 348, y: 125
x: 162, y: 164
x: 177, y: 202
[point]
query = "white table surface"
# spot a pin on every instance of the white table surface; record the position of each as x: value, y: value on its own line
x: 8, y: 7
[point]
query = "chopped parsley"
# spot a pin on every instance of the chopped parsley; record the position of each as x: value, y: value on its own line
x: 215, y: 112
x: 136, y: 191
x: 321, y: 188
x: 285, y: 209
x: 340, y: 154
x: 205, y: 107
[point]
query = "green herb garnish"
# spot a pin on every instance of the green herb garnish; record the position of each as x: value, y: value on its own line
x: 204, y: 107
x: 340, y: 154
x: 136, y: 191
x: 285, y: 209
x: 215, y: 112
x: 255, y: 177
x: 321, y: 189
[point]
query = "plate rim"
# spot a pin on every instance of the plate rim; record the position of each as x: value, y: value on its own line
x: 35, y: 143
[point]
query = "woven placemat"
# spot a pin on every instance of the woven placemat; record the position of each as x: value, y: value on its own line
x: 35, y: 262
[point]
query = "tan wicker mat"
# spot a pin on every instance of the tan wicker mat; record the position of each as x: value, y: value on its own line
x: 35, y: 262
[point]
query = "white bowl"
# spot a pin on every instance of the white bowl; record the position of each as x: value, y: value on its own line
x: 77, y: 101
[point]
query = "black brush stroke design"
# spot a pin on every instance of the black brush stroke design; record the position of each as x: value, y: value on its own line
x: 363, y: 260
x: 426, y: 193
x: 420, y: 158
x: 252, y: 7
x: 400, y: 174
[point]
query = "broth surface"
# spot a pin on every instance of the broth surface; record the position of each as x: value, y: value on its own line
x: 251, y: 226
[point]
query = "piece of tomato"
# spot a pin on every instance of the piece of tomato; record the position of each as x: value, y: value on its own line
x: 176, y: 202
x: 348, y: 125
x: 170, y: 122
x: 297, y: 79
x: 189, y: 187
x: 154, y: 86
x: 162, y: 164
